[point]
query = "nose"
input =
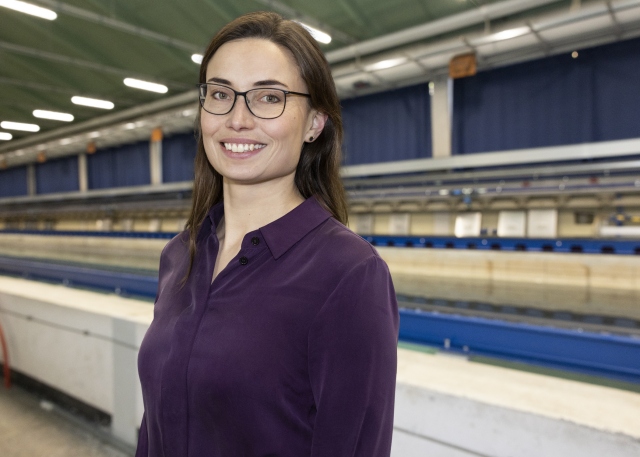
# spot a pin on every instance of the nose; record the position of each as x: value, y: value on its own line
x: 240, y: 117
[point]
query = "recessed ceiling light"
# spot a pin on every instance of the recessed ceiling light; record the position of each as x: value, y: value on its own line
x: 19, y: 126
x: 92, y: 102
x: 383, y: 64
x: 53, y: 115
x: 28, y: 8
x: 197, y: 58
x: 319, y: 35
x: 4, y: 136
x: 146, y: 85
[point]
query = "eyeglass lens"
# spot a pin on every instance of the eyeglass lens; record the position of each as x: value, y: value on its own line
x: 265, y: 103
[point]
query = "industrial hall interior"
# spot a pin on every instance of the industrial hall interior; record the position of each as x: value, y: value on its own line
x: 490, y: 159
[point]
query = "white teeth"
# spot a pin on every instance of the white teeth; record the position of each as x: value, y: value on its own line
x: 243, y: 147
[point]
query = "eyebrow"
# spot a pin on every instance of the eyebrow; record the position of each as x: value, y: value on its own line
x: 266, y: 82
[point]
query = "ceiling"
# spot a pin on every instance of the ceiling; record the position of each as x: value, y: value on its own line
x: 94, y: 44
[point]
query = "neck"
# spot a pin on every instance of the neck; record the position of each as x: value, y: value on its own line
x: 249, y: 207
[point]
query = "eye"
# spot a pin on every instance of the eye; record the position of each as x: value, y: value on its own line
x: 219, y: 94
x: 270, y: 97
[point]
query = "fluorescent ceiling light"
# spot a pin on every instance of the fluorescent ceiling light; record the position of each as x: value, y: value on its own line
x: 5, y: 136
x: 319, y: 35
x: 145, y: 85
x: 92, y: 102
x: 19, y: 126
x: 53, y: 115
x: 28, y: 8
x: 389, y: 63
x: 500, y: 36
x: 197, y: 58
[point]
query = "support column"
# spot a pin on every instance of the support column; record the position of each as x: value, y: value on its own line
x: 155, y: 156
x: 441, y: 91
x: 32, y: 188
x: 83, y: 177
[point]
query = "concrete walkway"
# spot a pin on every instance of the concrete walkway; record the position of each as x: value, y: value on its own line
x: 27, y: 429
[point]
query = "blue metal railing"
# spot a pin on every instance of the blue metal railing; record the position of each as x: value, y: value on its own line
x: 87, y: 233
x: 73, y: 275
x: 564, y: 245
x: 616, y: 357
x: 610, y: 356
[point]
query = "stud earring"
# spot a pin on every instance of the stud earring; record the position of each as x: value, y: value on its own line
x: 311, y: 138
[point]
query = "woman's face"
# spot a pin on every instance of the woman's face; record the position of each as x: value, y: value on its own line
x: 274, y: 144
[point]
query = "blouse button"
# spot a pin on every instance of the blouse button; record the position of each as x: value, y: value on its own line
x: 244, y: 260
x: 255, y: 241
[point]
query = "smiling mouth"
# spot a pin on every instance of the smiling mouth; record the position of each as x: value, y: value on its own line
x: 243, y: 147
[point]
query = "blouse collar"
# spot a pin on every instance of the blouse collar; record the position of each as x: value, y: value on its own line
x: 281, y: 234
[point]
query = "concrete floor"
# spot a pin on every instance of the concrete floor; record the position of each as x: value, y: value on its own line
x: 28, y: 429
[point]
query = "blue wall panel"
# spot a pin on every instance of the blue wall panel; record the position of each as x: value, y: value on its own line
x: 121, y: 166
x: 60, y: 175
x: 383, y: 127
x: 553, y: 101
x: 13, y: 182
x: 178, y: 152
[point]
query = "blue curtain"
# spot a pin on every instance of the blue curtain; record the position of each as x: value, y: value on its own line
x: 13, y: 182
x: 558, y: 100
x: 388, y: 126
x: 121, y: 166
x: 178, y: 152
x: 59, y: 175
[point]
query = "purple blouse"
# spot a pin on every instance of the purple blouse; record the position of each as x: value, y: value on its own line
x: 290, y: 352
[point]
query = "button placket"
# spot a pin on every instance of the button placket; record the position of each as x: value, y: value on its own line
x: 244, y: 260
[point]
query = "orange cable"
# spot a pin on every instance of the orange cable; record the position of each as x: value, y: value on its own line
x: 5, y: 357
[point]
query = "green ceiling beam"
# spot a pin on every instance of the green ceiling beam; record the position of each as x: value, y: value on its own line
x: 50, y: 56
x: 47, y: 88
x: 60, y: 7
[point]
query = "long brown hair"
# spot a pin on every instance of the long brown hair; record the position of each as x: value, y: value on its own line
x: 317, y: 172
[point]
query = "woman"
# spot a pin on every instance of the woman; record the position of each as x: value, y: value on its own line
x: 275, y: 327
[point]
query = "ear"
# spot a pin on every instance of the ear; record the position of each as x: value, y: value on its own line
x: 317, y: 124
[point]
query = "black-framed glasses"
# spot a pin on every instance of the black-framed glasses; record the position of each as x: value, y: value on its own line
x: 263, y: 102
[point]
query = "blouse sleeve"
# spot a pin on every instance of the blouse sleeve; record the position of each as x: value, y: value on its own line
x: 143, y: 441
x: 352, y: 365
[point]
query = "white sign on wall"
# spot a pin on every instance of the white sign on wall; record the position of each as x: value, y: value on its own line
x: 512, y: 223
x: 542, y: 223
x: 468, y: 224
x: 400, y: 224
x: 363, y: 224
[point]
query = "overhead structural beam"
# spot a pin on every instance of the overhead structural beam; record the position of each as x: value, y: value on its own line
x: 59, y: 90
x: 438, y: 27
x: 187, y: 98
x: 291, y: 13
x: 63, y: 8
x: 53, y: 57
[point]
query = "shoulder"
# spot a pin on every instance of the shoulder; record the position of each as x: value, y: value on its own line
x: 339, y: 246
